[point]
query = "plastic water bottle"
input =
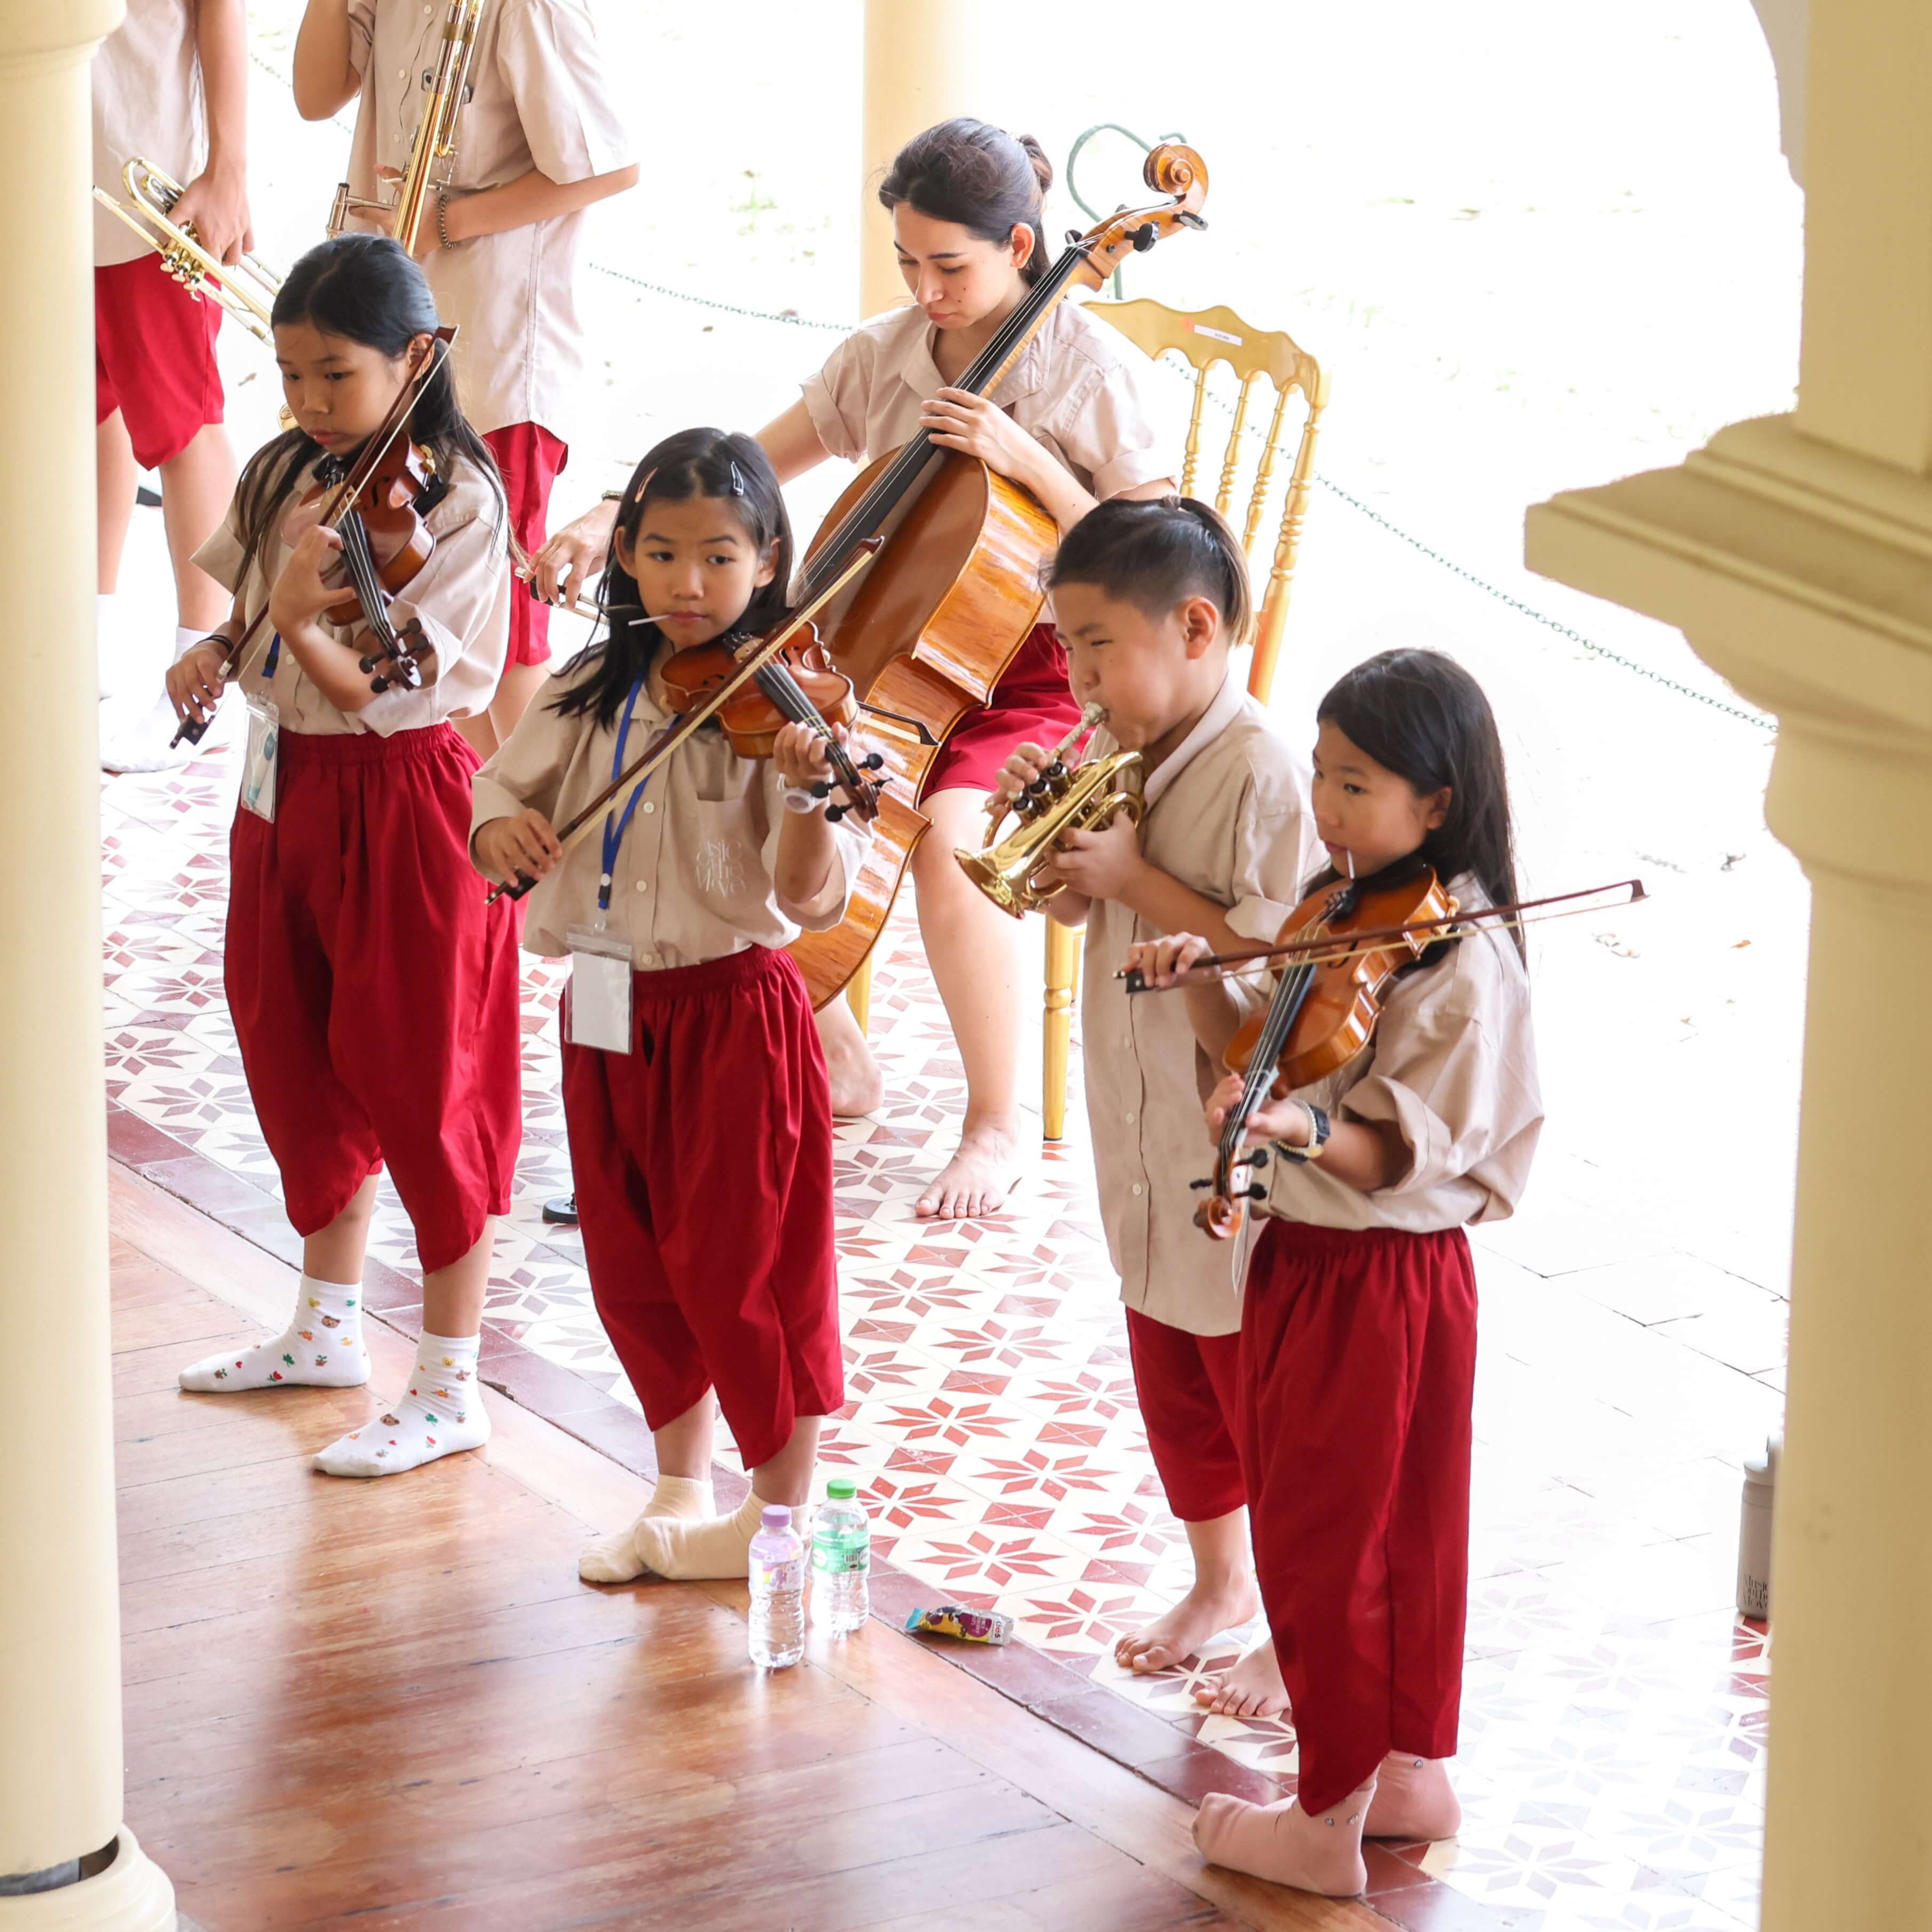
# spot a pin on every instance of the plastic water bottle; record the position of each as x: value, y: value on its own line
x: 841, y: 1559
x: 777, y: 1592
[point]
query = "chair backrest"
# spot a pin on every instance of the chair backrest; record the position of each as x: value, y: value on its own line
x: 1208, y: 336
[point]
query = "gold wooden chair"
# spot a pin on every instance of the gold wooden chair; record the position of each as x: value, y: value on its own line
x: 1204, y: 337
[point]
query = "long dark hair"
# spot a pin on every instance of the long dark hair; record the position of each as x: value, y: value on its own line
x: 1155, y: 554
x: 1421, y: 715
x: 987, y: 181
x: 694, y: 463
x: 367, y: 289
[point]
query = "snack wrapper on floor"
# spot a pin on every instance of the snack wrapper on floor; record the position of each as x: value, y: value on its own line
x: 950, y: 1620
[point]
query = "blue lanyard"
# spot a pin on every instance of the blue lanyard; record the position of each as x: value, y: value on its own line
x: 274, y: 657
x: 614, y: 826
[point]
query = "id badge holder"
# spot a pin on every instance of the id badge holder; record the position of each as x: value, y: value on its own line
x: 258, y: 767
x: 599, y: 1013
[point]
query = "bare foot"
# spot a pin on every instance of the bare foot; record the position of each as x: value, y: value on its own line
x: 1414, y: 1799
x: 1200, y: 1615
x: 850, y: 1071
x: 1252, y: 1688
x: 977, y: 1179
x: 1282, y: 1842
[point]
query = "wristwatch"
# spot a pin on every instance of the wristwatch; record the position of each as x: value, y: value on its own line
x: 1317, y: 1137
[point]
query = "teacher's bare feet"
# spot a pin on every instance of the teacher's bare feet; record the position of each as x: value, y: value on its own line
x: 978, y: 1178
x: 1251, y: 1688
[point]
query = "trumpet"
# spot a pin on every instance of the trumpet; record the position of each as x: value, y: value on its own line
x: 433, y: 158
x: 1012, y: 871
x: 245, y: 289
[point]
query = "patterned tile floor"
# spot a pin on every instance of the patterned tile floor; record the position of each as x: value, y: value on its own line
x: 1614, y: 1718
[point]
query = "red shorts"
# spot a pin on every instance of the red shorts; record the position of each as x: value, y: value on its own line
x: 531, y: 459
x: 1358, y: 1369
x: 374, y: 997
x: 154, y: 358
x: 703, y: 1160
x: 1032, y: 700
x: 1189, y: 1387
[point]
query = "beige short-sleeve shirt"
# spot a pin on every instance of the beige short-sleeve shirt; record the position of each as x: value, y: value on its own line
x: 461, y: 595
x: 148, y: 100
x: 541, y: 98
x: 1080, y: 388
x: 1227, y: 815
x: 692, y: 880
x: 1453, y: 1065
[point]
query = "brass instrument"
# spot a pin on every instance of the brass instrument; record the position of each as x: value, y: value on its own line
x: 1012, y: 871
x: 433, y: 158
x: 245, y: 289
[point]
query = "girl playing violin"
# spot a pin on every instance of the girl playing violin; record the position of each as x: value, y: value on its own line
x: 374, y: 997
x: 539, y: 141
x: 1071, y: 421
x: 1358, y: 1326
x: 693, y: 1085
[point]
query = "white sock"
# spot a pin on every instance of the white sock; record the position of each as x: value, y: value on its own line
x: 614, y: 1558
x: 712, y: 1546
x: 322, y: 1348
x: 441, y: 1413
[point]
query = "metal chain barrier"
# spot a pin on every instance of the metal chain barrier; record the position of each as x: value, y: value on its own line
x: 791, y: 319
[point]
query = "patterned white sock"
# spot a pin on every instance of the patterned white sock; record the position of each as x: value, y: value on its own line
x: 322, y: 1348
x: 614, y: 1558
x: 441, y: 1413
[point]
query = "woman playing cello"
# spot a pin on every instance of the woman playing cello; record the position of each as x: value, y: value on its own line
x: 1073, y: 424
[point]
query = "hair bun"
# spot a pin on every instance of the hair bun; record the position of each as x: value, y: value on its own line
x: 1042, y: 168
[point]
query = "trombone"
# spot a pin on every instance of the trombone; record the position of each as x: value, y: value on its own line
x: 245, y: 289
x: 433, y: 158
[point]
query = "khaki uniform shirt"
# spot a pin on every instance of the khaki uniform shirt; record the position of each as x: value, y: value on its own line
x: 1227, y: 815
x: 148, y: 100
x: 461, y: 595
x: 1079, y: 387
x: 1453, y: 1064
x: 692, y: 880
x: 541, y: 98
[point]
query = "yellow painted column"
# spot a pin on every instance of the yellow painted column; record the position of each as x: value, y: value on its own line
x: 1795, y: 553
x: 60, y: 1650
x: 926, y: 61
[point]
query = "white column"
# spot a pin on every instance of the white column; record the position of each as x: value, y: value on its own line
x: 1795, y: 554
x: 925, y: 61
x: 60, y: 1629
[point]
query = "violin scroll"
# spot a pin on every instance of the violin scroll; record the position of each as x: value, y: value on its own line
x: 1172, y: 170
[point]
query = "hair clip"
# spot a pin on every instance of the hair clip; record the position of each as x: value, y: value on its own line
x: 737, y: 481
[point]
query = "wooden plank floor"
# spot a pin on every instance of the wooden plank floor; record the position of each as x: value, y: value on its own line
x: 392, y: 1703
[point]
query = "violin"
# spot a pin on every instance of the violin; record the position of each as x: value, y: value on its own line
x: 795, y: 686
x: 395, y: 474
x: 931, y: 629
x: 1323, y: 1011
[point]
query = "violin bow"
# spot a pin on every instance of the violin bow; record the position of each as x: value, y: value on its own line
x: 1322, y: 949
x: 647, y: 762
x: 235, y: 662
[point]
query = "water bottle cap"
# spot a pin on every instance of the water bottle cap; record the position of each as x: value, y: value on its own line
x: 776, y: 1516
x: 841, y: 1489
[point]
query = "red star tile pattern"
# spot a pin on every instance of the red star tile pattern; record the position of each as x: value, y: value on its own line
x: 1613, y: 1744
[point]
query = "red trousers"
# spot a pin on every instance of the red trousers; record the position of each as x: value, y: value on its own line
x: 531, y: 459
x: 375, y: 1000
x: 703, y: 1160
x: 1034, y: 699
x: 1358, y: 1359
x: 154, y: 358
x: 1189, y: 1387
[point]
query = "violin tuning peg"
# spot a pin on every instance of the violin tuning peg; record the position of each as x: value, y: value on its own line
x: 876, y: 763
x: 368, y: 665
x: 1198, y: 1184
x: 834, y: 813
x: 819, y: 789
x: 1258, y: 1157
x: 1257, y: 1193
x: 1145, y: 238
x: 379, y: 686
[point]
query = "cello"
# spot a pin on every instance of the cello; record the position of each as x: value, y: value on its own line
x: 926, y: 632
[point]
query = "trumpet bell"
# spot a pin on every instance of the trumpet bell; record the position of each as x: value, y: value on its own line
x: 1012, y: 871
